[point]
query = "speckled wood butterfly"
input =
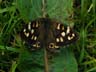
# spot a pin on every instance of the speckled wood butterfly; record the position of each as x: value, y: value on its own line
x: 45, y: 32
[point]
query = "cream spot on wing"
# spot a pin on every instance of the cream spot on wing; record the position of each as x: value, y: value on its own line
x: 35, y: 38
x: 29, y: 26
x: 26, y: 34
x: 71, y: 37
x: 32, y: 31
x: 56, y: 46
x: 34, y: 45
x: 63, y: 34
x: 61, y: 39
x: 51, y: 45
x: 24, y: 30
x: 68, y: 30
x: 38, y: 44
x: 32, y: 37
x: 73, y: 34
x: 58, y: 26
x: 37, y: 24
x: 57, y: 39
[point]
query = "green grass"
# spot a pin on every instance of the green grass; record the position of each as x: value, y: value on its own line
x: 13, y: 56
x: 86, y: 20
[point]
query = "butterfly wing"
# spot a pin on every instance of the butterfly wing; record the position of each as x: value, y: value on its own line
x: 47, y: 33
x: 30, y: 34
x: 63, y: 35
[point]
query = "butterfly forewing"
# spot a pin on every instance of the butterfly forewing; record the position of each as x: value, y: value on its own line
x: 64, y: 35
x: 30, y: 34
x: 47, y: 33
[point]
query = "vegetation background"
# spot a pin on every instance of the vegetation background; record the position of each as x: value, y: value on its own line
x: 80, y: 14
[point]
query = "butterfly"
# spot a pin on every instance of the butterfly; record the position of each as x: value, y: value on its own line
x: 49, y: 33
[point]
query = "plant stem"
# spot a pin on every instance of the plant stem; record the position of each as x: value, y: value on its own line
x: 46, y: 60
x: 43, y: 8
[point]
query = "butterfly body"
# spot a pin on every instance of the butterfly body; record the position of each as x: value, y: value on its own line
x: 45, y: 32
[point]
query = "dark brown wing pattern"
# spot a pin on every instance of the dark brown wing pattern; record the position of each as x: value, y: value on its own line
x: 30, y: 34
x: 47, y: 33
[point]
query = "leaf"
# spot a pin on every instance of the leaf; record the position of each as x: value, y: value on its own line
x: 31, y: 62
x: 13, y: 68
x: 29, y: 9
x: 9, y: 48
x: 64, y: 62
x: 59, y: 9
